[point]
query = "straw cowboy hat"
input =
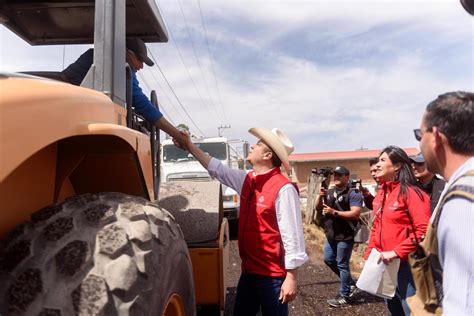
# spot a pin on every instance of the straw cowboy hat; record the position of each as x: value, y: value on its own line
x: 277, y: 140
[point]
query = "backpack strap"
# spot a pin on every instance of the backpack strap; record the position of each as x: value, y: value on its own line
x: 461, y: 188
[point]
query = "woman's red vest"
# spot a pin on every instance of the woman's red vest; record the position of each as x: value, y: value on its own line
x: 260, y: 244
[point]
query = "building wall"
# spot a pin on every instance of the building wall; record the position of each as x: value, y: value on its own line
x: 359, y: 169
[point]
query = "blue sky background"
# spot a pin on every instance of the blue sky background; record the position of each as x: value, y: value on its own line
x: 335, y: 75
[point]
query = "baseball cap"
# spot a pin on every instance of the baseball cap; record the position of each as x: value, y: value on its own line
x: 341, y: 170
x: 137, y: 46
x: 418, y: 158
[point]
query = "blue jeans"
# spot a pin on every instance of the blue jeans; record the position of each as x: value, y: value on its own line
x: 258, y: 291
x: 336, y: 256
x: 398, y: 306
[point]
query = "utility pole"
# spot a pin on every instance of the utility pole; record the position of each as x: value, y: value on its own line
x: 220, y: 128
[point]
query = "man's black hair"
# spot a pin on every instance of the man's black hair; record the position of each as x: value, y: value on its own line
x: 453, y: 114
x: 276, y: 162
x: 373, y: 161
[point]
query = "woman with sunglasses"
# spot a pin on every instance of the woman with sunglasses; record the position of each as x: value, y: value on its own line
x: 401, y: 215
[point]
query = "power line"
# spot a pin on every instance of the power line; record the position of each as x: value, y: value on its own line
x: 167, y: 96
x: 162, y: 109
x: 174, y: 93
x: 190, y: 77
x: 212, y: 61
x: 195, y: 53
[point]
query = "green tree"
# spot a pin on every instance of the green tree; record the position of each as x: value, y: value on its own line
x: 183, y: 127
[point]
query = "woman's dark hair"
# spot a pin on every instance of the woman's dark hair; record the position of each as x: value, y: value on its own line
x: 405, y: 175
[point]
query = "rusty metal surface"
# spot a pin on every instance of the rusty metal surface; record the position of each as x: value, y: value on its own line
x: 197, y: 207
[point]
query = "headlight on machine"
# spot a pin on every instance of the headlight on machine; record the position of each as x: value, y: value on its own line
x: 231, y: 198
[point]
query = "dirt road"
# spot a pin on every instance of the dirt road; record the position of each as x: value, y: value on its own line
x: 316, y: 285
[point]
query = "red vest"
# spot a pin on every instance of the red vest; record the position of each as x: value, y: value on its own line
x: 260, y: 245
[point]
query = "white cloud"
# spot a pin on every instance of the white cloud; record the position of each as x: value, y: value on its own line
x: 336, y: 75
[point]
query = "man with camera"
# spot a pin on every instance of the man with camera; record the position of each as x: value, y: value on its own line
x: 341, y: 207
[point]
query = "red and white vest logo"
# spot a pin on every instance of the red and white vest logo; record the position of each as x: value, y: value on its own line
x: 261, y: 199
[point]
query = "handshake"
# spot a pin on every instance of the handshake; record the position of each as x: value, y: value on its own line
x: 182, y: 140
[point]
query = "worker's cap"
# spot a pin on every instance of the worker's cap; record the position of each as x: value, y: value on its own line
x: 418, y: 158
x: 277, y: 140
x: 342, y: 170
x: 137, y: 46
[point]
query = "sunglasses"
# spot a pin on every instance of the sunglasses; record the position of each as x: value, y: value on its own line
x: 418, y: 134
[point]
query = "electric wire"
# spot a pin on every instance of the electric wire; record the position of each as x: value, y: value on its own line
x: 175, y: 95
x: 147, y: 87
x: 167, y: 96
x: 195, y: 53
x: 212, y: 61
x: 192, y: 80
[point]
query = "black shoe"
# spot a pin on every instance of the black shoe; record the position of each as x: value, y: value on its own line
x: 339, y: 301
x: 353, y: 291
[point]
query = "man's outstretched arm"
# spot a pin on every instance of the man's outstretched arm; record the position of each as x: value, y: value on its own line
x: 184, y: 140
x: 232, y: 178
x: 179, y: 137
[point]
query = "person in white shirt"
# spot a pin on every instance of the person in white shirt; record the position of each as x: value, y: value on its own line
x: 446, y: 138
x: 270, y: 236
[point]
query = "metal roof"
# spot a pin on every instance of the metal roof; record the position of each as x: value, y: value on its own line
x: 46, y: 22
x: 343, y: 155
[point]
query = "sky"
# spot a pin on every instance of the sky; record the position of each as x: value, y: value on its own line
x: 334, y: 75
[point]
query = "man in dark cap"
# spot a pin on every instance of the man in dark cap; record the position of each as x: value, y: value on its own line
x: 341, y: 209
x: 431, y: 184
x: 136, y: 55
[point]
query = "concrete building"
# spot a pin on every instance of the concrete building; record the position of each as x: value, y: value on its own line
x: 356, y: 161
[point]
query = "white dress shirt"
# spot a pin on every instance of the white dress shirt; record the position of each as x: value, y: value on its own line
x: 288, y: 212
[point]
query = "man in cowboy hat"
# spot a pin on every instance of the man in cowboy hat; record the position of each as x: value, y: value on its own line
x: 271, y: 241
x: 136, y: 55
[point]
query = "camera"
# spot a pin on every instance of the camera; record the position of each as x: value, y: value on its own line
x: 326, y: 173
x: 355, y: 183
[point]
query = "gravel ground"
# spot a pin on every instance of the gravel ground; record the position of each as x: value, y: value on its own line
x: 317, y: 283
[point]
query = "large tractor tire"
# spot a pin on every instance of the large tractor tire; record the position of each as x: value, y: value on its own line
x: 100, y: 254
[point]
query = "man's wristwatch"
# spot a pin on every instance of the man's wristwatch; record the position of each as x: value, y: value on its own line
x: 336, y: 213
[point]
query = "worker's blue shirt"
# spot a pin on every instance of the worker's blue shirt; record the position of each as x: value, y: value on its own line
x: 140, y: 102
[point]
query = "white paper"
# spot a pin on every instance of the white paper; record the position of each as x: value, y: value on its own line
x: 378, y: 278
